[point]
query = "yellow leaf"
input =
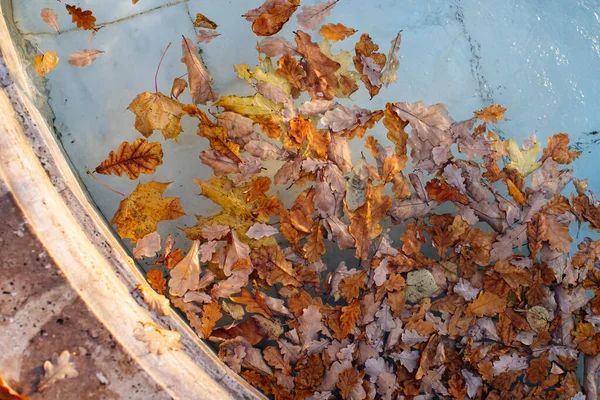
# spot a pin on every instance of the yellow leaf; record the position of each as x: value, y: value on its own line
x: 523, y: 161
x: 203, y: 22
x: 140, y: 213
x: 140, y: 157
x: 252, y: 106
x: 157, y: 111
x: 364, y: 226
x: 237, y: 211
x: 45, y: 62
x: 493, y: 113
x: 7, y: 393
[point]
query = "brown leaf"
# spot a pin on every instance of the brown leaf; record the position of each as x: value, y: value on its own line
x: 156, y: 280
x: 140, y: 157
x: 50, y: 17
x: 179, y: 85
x: 83, y: 19
x: 536, y: 232
x: 493, y: 113
x: 254, y: 304
x: 314, y: 247
x: 366, y: 52
x: 441, y: 192
x: 157, y: 111
x: 350, y: 316
x: 274, y: 17
x: 288, y: 67
x: 557, y: 233
x: 320, y: 69
x: 350, y: 286
x: 538, y: 369
x: 336, y: 32
x: 558, y: 149
x: 395, y: 126
x: 198, y: 76
x: 486, y: 304
x: 347, y: 381
x: 211, y: 313
x: 85, y: 57
x: 412, y: 238
x: 364, y: 226
x: 203, y: 22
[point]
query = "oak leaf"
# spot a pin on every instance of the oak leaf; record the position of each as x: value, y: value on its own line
x: 157, y: 339
x: 314, y: 247
x: 350, y: 316
x: 211, y: 313
x: 147, y: 246
x: 85, y: 57
x: 364, y: 226
x: 347, y: 381
x: 336, y: 32
x: 254, y: 304
x: 50, y: 17
x: 45, y: 62
x: 140, y: 213
x: 83, y: 18
x: 536, y: 232
x: 157, y: 280
x: 58, y: 368
x: 558, y: 149
x: 369, y: 63
x: 198, y: 76
x: 275, y: 46
x: 186, y: 274
x: 388, y: 75
x: 157, y: 111
x: 205, y: 36
x: 557, y: 233
x: 157, y: 303
x: 493, y: 113
x: 139, y: 157
x: 320, y: 69
x: 274, y: 16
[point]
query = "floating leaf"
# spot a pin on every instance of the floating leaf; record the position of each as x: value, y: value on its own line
x: 186, y: 274
x: 156, y: 111
x: 206, y: 36
x: 45, y: 62
x: 272, y: 16
x: 85, y: 57
x: 336, y: 32
x: 198, y: 76
x: 312, y: 16
x: 493, y: 113
x: 83, y: 18
x: 140, y: 157
x: 50, y: 17
x: 147, y: 246
x: 203, y: 22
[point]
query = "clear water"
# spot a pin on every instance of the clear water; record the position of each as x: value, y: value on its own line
x: 540, y: 59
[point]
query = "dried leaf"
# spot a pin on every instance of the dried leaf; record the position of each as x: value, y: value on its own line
x: 211, y: 313
x: 198, y: 76
x: 312, y: 16
x: 336, y: 32
x: 206, y: 36
x: 487, y: 304
x: 50, y: 17
x: 147, y: 246
x: 157, y: 303
x: 157, y: 111
x: 203, y: 22
x: 58, y: 368
x: 493, y: 113
x: 273, y: 16
x: 157, y: 339
x: 388, y: 76
x: 45, y: 62
x: 186, y: 274
x: 140, y: 157
x: 83, y: 18
x: 85, y: 57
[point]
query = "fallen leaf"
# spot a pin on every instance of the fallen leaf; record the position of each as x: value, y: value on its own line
x: 347, y: 381
x: 486, y: 304
x: 259, y: 231
x: 58, y: 368
x: 45, y: 62
x: 140, y: 213
x: 186, y: 274
x: 493, y: 113
x: 157, y: 111
x: 312, y: 16
x: 523, y: 161
x: 147, y: 246
x: 211, y: 314
x: 179, y: 85
x: 388, y: 75
x: 336, y: 32
x: 198, y: 76
x: 156, y: 279
x: 206, y: 36
x: 157, y: 303
x: 83, y: 18
x: 85, y: 57
x: 157, y: 339
x: 50, y: 17
x: 203, y: 22
x: 273, y: 16
x: 140, y: 157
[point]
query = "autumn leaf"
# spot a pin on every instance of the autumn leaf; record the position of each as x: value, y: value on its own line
x: 272, y: 16
x: 198, y: 76
x: 369, y: 63
x: 254, y: 304
x: 388, y: 76
x: 157, y: 339
x: 493, y: 113
x: 557, y: 233
x: 364, y: 226
x: 558, y: 149
x: 155, y: 111
x: 140, y: 157
x: 486, y: 304
x: 311, y: 16
x: 83, y: 18
x: 58, y: 368
x: 85, y: 57
x: 203, y: 22
x: 336, y: 32
x: 147, y: 246
x: 320, y: 69
x: 206, y: 36
x: 523, y: 161
x: 211, y: 314
x: 45, y: 62
x: 157, y: 303
x: 347, y: 381
x: 179, y: 85
x: 252, y: 107
x: 350, y: 315
x: 314, y: 247
x: 157, y: 280
x: 140, y: 213
x: 186, y: 274
x: 536, y: 232
x: 50, y: 17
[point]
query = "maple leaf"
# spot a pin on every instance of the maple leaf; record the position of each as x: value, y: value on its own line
x: 140, y: 157
x: 493, y: 113
x: 272, y: 16
x: 198, y: 76
x: 523, y: 161
x: 140, y: 213
x: 157, y: 339
x: 83, y: 18
x: 186, y: 274
x: 155, y: 111
x: 58, y: 368
x: 45, y: 62
x: 85, y: 57
x: 486, y: 304
x: 336, y: 32
x: 364, y: 226
x: 50, y: 17
x: 203, y: 21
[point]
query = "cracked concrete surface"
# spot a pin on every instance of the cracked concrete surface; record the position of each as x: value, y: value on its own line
x: 40, y: 314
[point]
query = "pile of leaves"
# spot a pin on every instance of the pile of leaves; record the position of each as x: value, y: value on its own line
x: 458, y: 281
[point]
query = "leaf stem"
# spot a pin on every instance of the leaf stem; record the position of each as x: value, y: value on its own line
x: 90, y: 173
x: 158, y: 68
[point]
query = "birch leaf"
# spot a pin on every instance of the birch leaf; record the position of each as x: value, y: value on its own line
x: 140, y: 213
x: 50, y: 17
x: 58, y: 368
x: 147, y: 246
x: 157, y: 339
x: 199, y: 78
x: 85, y: 57
x: 186, y: 274
x: 139, y: 157
x: 155, y: 111
x: 45, y: 62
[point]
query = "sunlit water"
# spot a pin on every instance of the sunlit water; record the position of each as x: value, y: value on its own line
x: 540, y: 59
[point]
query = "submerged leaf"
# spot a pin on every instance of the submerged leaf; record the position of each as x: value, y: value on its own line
x: 58, y: 368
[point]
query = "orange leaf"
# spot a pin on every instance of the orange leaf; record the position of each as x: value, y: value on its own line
x: 157, y: 280
x: 536, y: 231
x: 253, y: 304
x: 211, y: 314
x: 274, y: 18
x: 558, y: 149
x: 557, y: 234
x: 493, y: 113
x: 350, y: 286
x: 336, y: 32
x: 83, y: 19
x: 314, y: 247
x: 486, y: 304
x: 347, y: 381
x: 441, y: 192
x: 350, y: 315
